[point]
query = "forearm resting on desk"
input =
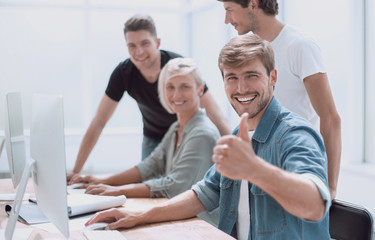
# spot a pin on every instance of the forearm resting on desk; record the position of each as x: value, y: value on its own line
x: 183, y: 206
x: 129, y: 190
x: 131, y: 175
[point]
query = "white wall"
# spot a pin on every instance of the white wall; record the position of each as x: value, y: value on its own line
x: 71, y: 47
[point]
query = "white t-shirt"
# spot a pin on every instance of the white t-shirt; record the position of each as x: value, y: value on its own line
x: 243, y: 217
x: 296, y: 57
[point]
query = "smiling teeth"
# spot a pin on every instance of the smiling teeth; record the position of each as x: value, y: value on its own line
x: 246, y: 99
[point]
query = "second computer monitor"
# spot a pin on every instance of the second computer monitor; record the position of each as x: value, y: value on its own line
x: 47, y: 146
x: 14, y: 136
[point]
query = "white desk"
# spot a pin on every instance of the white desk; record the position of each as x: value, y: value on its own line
x: 193, y: 228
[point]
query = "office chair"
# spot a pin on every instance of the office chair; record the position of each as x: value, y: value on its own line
x: 348, y: 221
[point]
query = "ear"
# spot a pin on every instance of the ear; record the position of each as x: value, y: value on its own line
x: 201, y: 90
x: 273, y: 77
x: 253, y: 4
x: 158, y: 42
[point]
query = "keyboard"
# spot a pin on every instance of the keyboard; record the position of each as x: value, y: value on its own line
x: 103, y: 234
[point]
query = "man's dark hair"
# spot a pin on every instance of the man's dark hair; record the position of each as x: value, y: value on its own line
x: 269, y: 7
x: 140, y: 22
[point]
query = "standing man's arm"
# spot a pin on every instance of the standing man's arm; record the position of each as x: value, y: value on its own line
x: 214, y: 113
x: 105, y: 110
x: 319, y: 91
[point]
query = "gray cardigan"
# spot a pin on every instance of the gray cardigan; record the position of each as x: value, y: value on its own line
x: 169, y: 171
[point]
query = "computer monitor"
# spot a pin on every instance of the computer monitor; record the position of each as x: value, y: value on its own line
x: 47, y: 164
x: 14, y: 137
x: 47, y: 146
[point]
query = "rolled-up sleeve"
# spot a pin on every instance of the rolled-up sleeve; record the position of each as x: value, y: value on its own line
x: 323, y: 189
x: 308, y: 159
x: 208, y: 190
x: 154, y: 164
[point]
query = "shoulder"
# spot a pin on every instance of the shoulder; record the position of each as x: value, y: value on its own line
x: 299, y: 40
x: 167, y: 55
x: 291, y: 119
x: 204, y: 128
x: 200, y: 125
x: 125, y: 66
x: 123, y: 70
x: 292, y: 125
x: 172, y: 128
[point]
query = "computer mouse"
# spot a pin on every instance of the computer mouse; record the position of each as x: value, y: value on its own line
x: 97, y: 226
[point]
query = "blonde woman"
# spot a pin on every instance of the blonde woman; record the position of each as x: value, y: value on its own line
x: 185, y: 153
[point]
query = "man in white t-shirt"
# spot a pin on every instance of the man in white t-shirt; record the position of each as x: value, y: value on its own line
x: 302, y: 85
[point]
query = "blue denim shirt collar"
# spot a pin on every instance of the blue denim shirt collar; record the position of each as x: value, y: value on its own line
x: 264, y: 128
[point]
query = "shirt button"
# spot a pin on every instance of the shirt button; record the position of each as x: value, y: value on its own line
x: 231, y: 212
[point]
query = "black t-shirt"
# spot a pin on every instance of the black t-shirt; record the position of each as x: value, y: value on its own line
x: 126, y: 77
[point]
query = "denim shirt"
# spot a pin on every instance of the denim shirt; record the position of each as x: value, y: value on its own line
x: 289, y: 142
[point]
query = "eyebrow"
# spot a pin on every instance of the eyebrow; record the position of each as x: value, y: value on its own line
x: 248, y: 72
x: 229, y: 75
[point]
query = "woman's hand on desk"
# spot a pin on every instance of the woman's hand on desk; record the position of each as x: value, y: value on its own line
x: 70, y: 175
x: 116, y: 218
x: 103, y: 189
x: 87, y: 179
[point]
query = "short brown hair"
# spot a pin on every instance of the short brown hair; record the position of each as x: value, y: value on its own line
x: 269, y: 7
x: 243, y: 49
x: 140, y: 22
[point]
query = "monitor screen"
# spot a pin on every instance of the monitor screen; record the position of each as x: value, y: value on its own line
x: 47, y: 146
x: 14, y: 137
x: 47, y: 164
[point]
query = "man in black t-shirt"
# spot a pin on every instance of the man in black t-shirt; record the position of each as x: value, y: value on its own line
x: 138, y: 75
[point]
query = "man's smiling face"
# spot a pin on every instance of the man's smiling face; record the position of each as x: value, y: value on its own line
x: 249, y: 88
x: 242, y: 19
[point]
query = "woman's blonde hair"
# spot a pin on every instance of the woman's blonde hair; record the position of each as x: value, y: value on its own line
x: 177, y: 67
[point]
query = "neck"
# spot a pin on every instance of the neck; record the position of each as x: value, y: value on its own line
x: 151, y: 74
x: 184, y: 118
x: 252, y: 123
x: 269, y: 27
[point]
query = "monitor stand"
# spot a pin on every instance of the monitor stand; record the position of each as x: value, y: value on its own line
x: 8, y: 196
x: 14, y: 213
x: 2, y: 146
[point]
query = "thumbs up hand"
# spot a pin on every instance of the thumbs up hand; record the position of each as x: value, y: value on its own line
x: 234, y: 155
x: 243, y: 132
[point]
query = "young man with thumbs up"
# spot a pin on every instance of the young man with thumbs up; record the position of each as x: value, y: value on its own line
x: 270, y: 178
x: 303, y: 85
